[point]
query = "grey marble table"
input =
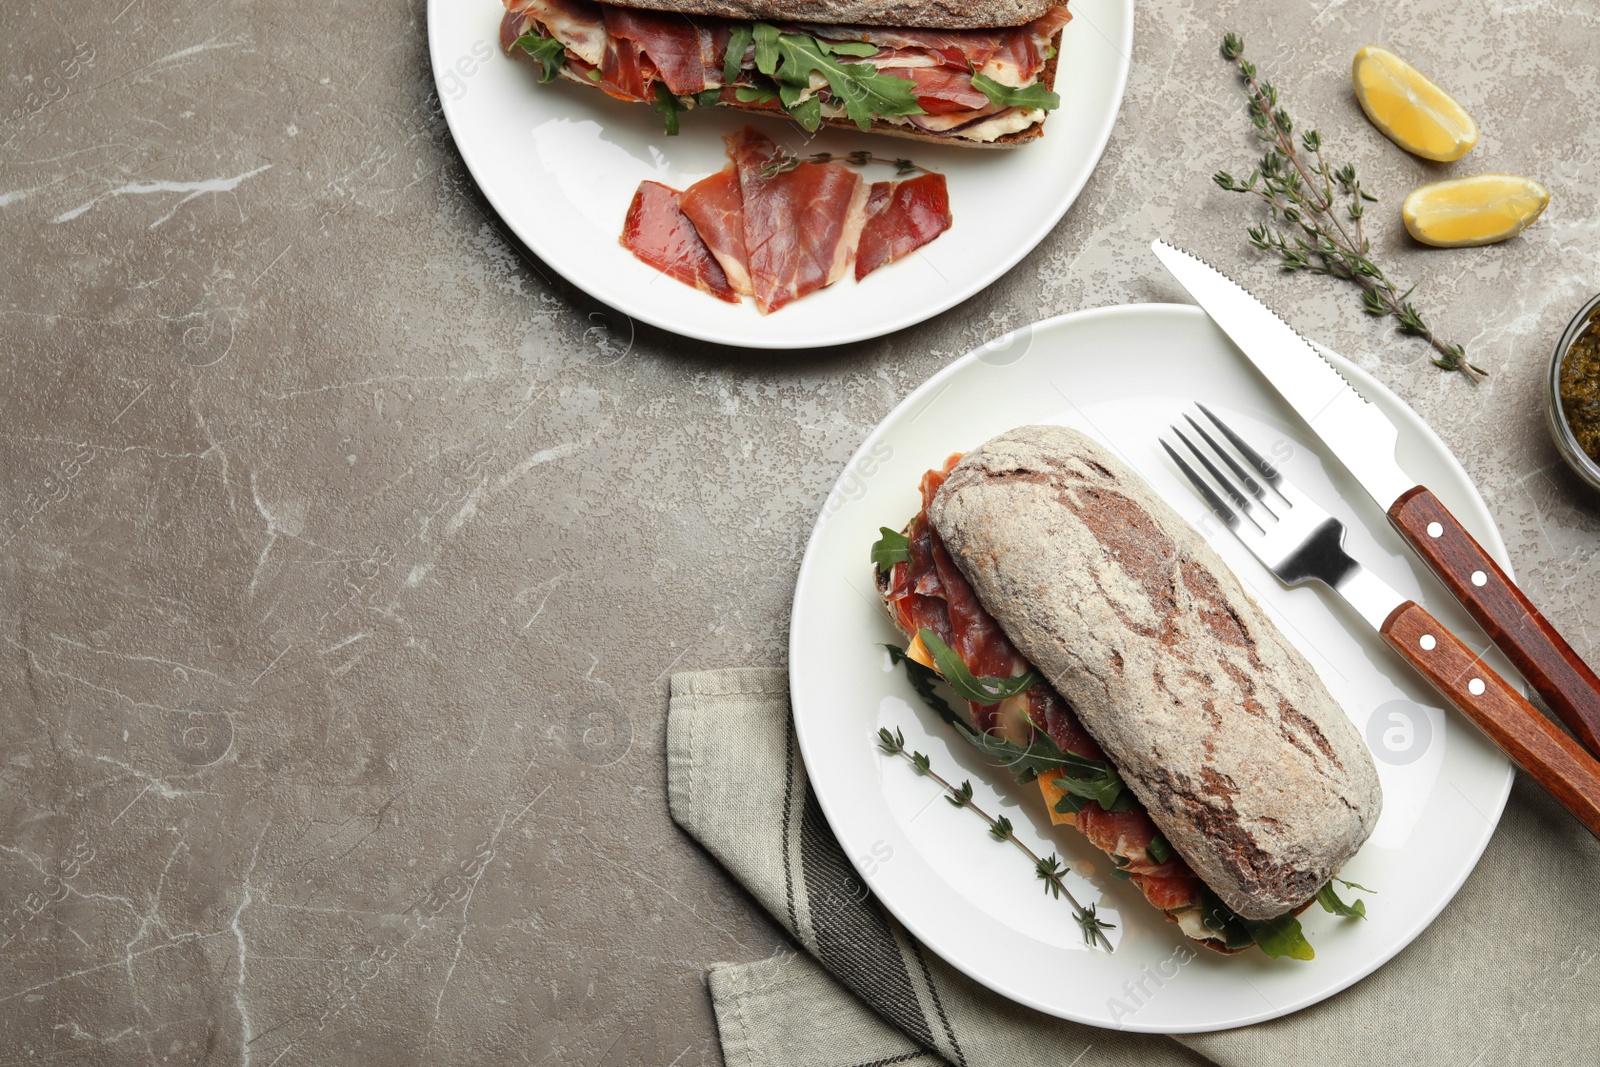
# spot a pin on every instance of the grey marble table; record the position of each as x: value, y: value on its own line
x: 347, y: 548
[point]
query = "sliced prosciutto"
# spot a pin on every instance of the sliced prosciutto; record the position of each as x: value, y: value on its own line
x: 901, y: 218
x: 716, y: 207
x: 659, y: 233
x: 681, y: 62
x: 928, y: 592
x: 801, y: 225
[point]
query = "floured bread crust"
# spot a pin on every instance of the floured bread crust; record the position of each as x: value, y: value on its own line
x: 1220, y: 727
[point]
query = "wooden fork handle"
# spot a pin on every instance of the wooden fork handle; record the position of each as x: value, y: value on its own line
x: 1534, y: 646
x: 1533, y: 742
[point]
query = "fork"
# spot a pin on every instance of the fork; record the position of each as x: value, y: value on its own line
x: 1299, y: 542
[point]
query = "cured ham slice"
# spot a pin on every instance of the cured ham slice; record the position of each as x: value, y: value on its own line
x: 716, y: 207
x: 671, y: 43
x: 659, y: 233
x: 801, y: 225
x: 925, y: 592
x: 901, y: 218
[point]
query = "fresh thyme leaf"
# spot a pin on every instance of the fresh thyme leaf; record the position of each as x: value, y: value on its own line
x: 1329, y: 899
x: 1321, y: 210
x: 892, y: 547
x: 1158, y: 850
x: 1051, y: 870
x: 549, y: 53
x: 1030, y: 97
x: 1091, y: 924
x: 985, y: 691
x: 668, y: 107
x: 1280, y: 937
x: 733, y: 59
x: 790, y: 59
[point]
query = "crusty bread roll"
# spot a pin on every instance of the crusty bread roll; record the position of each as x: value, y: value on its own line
x: 1220, y: 727
x: 930, y: 14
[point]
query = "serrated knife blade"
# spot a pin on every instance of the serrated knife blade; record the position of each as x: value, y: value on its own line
x: 1363, y: 439
x: 1357, y: 432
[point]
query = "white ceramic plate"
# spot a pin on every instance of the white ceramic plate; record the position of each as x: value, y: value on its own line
x: 560, y: 163
x: 1122, y: 374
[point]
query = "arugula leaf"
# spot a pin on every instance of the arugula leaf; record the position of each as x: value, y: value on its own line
x: 1032, y: 96
x: 865, y: 92
x: 733, y: 58
x: 985, y: 691
x: 668, y: 106
x: 1158, y: 850
x: 594, y: 74
x: 1220, y: 919
x: 1334, y: 906
x: 1280, y: 937
x: 550, y: 53
x: 1103, y: 786
x: 747, y: 94
x: 860, y: 49
x: 1026, y: 763
x: 890, y: 549
x: 707, y: 98
x: 1352, y: 885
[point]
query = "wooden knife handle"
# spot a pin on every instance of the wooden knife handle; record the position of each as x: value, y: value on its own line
x: 1534, y: 646
x: 1533, y: 742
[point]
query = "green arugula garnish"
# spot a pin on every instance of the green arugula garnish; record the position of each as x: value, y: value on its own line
x: 1084, y: 780
x: 1158, y: 850
x: 550, y: 53
x: 890, y: 549
x: 1220, y: 920
x: 755, y: 94
x: 668, y: 106
x: 1277, y: 937
x: 1027, y: 763
x: 1280, y: 937
x: 985, y: 691
x: 865, y: 92
x: 594, y: 75
x: 1032, y: 96
x: 1329, y: 899
x: 733, y: 58
x: 859, y: 49
x: 707, y: 97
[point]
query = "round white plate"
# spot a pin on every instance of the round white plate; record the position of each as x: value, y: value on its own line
x: 1122, y: 374
x: 560, y: 163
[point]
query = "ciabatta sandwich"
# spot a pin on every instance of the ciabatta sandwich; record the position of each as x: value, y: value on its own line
x: 1163, y: 714
x: 977, y: 72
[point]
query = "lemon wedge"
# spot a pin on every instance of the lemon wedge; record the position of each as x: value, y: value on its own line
x: 1411, y: 111
x: 1479, y: 210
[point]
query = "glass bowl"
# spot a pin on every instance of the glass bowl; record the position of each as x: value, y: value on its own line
x: 1560, y: 432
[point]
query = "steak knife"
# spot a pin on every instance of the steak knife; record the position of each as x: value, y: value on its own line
x: 1363, y: 439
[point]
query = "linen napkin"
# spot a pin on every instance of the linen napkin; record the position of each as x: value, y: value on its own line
x: 1510, y: 970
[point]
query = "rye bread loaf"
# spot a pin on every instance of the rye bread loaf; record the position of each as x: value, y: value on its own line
x: 1220, y: 727
x: 923, y: 14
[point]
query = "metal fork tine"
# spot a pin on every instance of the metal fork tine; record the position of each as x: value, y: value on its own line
x: 1227, y: 457
x: 1240, y: 501
x: 1218, y: 506
x: 1255, y: 459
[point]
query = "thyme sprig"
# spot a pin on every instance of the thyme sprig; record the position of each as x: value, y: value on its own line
x: 786, y: 161
x: 1049, y: 869
x: 1322, y: 211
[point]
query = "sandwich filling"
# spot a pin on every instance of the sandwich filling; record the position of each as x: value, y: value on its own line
x: 976, y: 85
x: 1035, y: 732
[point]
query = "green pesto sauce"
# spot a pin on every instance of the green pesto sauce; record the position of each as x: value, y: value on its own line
x: 1580, y: 388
